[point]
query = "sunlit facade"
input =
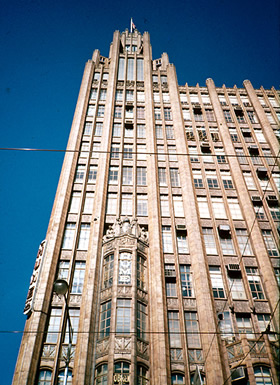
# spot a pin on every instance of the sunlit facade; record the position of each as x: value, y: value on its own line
x: 164, y: 225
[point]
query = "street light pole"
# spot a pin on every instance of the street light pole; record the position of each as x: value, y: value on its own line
x: 61, y: 287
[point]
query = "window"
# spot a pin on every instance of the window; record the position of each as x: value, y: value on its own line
x: 127, y: 151
x: 159, y: 134
x: 126, y: 204
x: 113, y: 174
x: 209, y: 240
x: 140, y: 113
x: 244, y: 325
x: 101, y: 375
x: 45, y: 377
x: 142, y: 375
x: 167, y: 113
x: 141, y: 272
x: 174, y: 176
x: 84, y: 149
x: 118, y: 112
x: 105, y: 319
x: 116, y: 129
x: 141, y: 131
x: 186, y: 281
x: 172, y: 153
x: 105, y: 76
x: 155, y: 79
x: 164, y: 206
x: 108, y: 270
x: 243, y: 242
x: 162, y: 176
x: 203, y: 207
x: 129, y: 112
x: 130, y: 69
x: 227, y: 116
x: 142, y: 205
x: 84, y: 236
x: 160, y: 150
x: 141, y: 320
x: 227, y: 245
x: 227, y: 181
x: 192, y: 330
x: 100, y: 111
x: 96, y: 76
x: 241, y: 156
x: 91, y: 110
x: 54, y: 326
x: 219, y: 208
x: 61, y: 377
x: 103, y: 93
x: 222, y: 100
x: 111, y: 204
x: 163, y: 79
x: 233, y: 134
x: 202, y: 133
x: 186, y: 114
x: 212, y: 179
x: 259, y: 210
x: 220, y: 155
x: 96, y: 150
x: 87, y: 129
x: 225, y: 325
x: 63, y: 270
x: 141, y: 152
x: 141, y: 176
x: 115, y: 148
x: 189, y: 133
x: 252, y: 117
x: 129, y: 95
x: 98, y: 129
x: 74, y: 315
x: 174, y: 329
x: 254, y: 282
x: 80, y: 172
x: 75, y: 202
x: 217, y: 282
x: 167, y: 239
x: 256, y: 160
x: 92, y: 174
x: 270, y: 243
x: 93, y: 94
x: 171, y: 289
x: 182, y: 242
x: 249, y: 180
x: 197, y: 178
x: 262, y: 375
x: 264, y: 321
x: 121, y: 372
x: 234, y: 208
x: 268, y: 156
x: 88, y: 205
x: 210, y: 115
x: 128, y: 131
x: 78, y: 279
x: 69, y: 234
x: 236, y: 288
x: 140, y: 96
x: 177, y: 379
x: 165, y: 97
x: 275, y: 213
x: 123, y: 316
x: 157, y: 114
x: 119, y: 95
x: 183, y: 97
x: 260, y: 136
x: 169, y: 132
x: 178, y: 206
x: 124, y: 269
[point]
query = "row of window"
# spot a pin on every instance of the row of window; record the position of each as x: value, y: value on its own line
x: 262, y: 375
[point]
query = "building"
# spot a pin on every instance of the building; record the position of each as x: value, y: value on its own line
x: 165, y: 226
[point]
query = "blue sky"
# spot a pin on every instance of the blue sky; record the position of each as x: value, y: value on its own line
x: 44, y: 46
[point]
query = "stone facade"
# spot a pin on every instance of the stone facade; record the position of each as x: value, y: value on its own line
x: 164, y: 225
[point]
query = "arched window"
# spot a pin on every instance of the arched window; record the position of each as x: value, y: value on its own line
x: 61, y: 375
x: 101, y: 375
x: 121, y: 372
x: 142, y: 375
x: 44, y: 377
x: 201, y: 375
x: 177, y: 379
x: 262, y: 375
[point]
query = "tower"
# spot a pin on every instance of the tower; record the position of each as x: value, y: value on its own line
x: 164, y: 226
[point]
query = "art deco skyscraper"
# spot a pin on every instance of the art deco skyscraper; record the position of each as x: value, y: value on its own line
x: 164, y: 226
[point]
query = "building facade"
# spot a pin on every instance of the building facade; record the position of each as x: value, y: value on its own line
x: 164, y: 225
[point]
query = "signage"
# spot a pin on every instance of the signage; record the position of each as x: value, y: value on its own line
x: 34, y: 279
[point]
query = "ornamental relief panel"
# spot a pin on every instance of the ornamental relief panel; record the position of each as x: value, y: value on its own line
x: 102, y: 347
x: 142, y: 295
x: 172, y: 303
x: 122, y: 345
x: 106, y: 293
x: 49, y: 351
x: 189, y: 303
x: 124, y: 291
x: 143, y: 349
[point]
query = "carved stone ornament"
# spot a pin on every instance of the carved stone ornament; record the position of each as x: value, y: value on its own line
x: 122, y: 344
x: 49, y: 351
x: 125, y: 227
x: 143, y: 349
x: 102, y: 347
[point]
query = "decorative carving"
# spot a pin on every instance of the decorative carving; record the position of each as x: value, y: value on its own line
x: 49, y: 351
x: 189, y: 303
x: 75, y: 299
x: 176, y: 354
x: 64, y: 353
x: 142, y: 295
x: 143, y: 349
x: 257, y: 349
x: 102, y: 347
x: 234, y: 351
x: 122, y: 344
x: 125, y: 227
x: 106, y: 293
x: 195, y: 355
x: 172, y: 302
x: 124, y: 290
